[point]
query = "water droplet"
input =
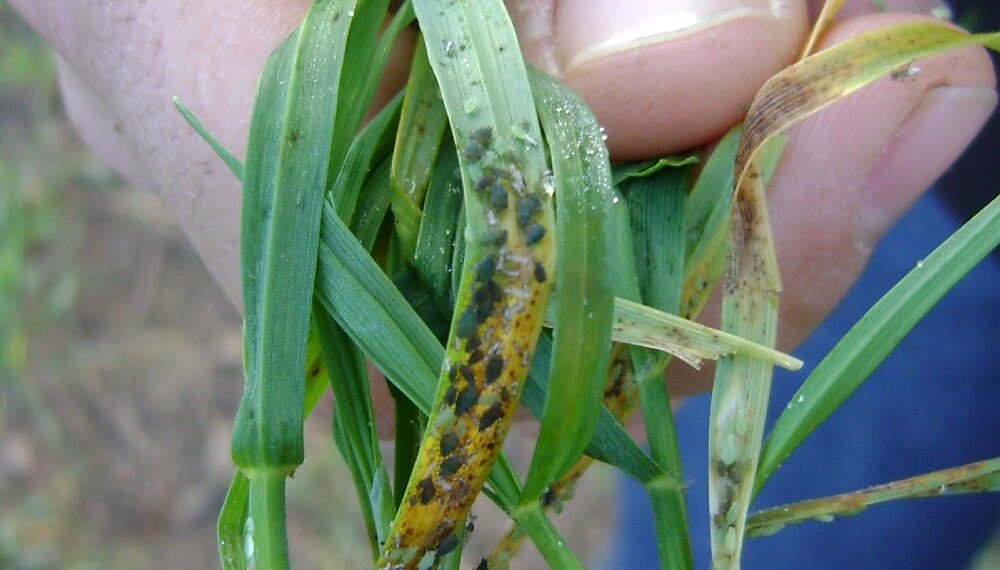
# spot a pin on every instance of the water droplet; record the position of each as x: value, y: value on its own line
x: 449, y: 47
x: 920, y: 264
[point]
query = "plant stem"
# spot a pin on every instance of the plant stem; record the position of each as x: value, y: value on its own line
x: 269, y: 546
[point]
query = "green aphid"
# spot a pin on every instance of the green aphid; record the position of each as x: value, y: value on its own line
x: 467, y: 323
x: 483, y: 136
x: 447, y: 544
x: 445, y: 416
x: 526, y: 208
x: 494, y: 368
x: 486, y: 268
x: 539, y: 272
x: 450, y: 466
x: 490, y: 416
x: 466, y: 399
x: 449, y: 443
x: 534, y: 233
x: 471, y: 105
x: 427, y: 562
x: 498, y: 198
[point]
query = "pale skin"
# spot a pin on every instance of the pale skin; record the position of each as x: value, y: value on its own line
x: 661, y: 76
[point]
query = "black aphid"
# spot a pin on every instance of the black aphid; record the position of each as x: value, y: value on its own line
x: 468, y: 374
x: 473, y: 150
x: 494, y: 368
x: 539, y: 272
x: 466, y: 399
x: 447, y: 544
x: 486, y: 268
x: 496, y: 238
x: 527, y: 207
x: 450, y: 465
x: 548, y: 498
x: 470, y: 346
x: 466, y: 326
x: 449, y: 395
x: 484, y: 183
x: 449, y: 442
x: 496, y: 172
x: 475, y: 355
x: 482, y: 135
x: 490, y: 416
x: 498, y: 197
x: 427, y: 490
x: 534, y: 233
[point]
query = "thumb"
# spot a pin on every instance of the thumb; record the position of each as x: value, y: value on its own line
x: 661, y: 76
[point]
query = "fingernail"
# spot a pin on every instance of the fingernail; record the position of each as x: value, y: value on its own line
x: 936, y: 132
x: 599, y: 28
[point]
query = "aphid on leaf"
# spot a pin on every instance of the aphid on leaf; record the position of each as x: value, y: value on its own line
x: 494, y: 368
x: 534, y: 233
x: 449, y: 442
x: 450, y: 466
x: 466, y: 326
x: 483, y: 183
x: 483, y: 136
x: 473, y: 151
x: 486, y: 268
x: 466, y: 399
x: 498, y: 197
x: 539, y: 272
x: 490, y: 416
x: 427, y: 490
x: 447, y: 544
x: 527, y: 207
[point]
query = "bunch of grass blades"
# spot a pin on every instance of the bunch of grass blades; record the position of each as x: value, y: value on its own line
x: 429, y: 242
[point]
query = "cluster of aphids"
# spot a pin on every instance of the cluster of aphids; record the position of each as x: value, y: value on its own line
x: 479, y: 392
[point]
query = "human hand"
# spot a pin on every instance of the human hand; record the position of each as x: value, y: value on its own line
x: 662, y: 76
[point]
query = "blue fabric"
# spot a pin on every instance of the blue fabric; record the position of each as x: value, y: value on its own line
x: 934, y: 403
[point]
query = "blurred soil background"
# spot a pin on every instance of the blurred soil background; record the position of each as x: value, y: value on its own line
x: 120, y: 371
